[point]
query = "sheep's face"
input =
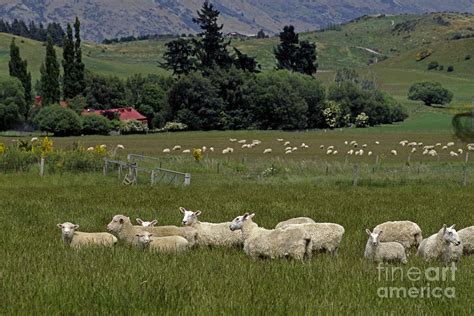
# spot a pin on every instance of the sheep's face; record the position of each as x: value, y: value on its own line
x: 146, y: 224
x: 144, y: 238
x: 450, y: 235
x: 68, y: 229
x: 374, y: 238
x: 239, y: 221
x: 117, y: 223
x: 189, y: 217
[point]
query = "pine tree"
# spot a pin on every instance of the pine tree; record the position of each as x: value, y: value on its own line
x: 285, y: 52
x: 245, y: 62
x: 68, y: 64
x: 50, y: 76
x: 178, y: 57
x: 79, y: 68
x: 19, y: 68
x: 212, y: 47
x: 305, y: 61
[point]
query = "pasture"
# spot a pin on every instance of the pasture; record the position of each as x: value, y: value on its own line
x: 39, y: 275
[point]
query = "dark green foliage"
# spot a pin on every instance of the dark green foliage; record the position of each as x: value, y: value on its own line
x: 430, y: 93
x: 77, y: 104
x: 50, y: 90
x: 433, y: 65
x: 12, y: 103
x: 39, y: 33
x: 79, y: 68
x: 179, y: 56
x: 19, y: 68
x: 94, y: 124
x: 211, y: 47
x: 293, y: 55
x: 73, y: 79
x: 105, y: 92
x: 195, y: 101
x: 245, y: 62
x: 261, y: 34
x: 450, y: 68
x: 58, y: 120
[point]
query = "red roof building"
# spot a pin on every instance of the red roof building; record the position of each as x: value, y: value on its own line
x: 123, y: 114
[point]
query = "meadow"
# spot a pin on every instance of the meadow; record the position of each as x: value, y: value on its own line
x: 39, y: 275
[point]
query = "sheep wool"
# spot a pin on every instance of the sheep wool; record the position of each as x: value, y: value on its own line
x: 444, y: 245
x: 77, y: 240
x: 167, y: 244
x: 295, y: 220
x: 378, y: 251
x: 407, y: 233
x: 467, y: 238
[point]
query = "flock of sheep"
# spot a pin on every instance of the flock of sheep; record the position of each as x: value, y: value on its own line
x: 297, y: 238
x: 355, y: 148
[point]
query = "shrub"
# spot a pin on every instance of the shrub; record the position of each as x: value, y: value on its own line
x: 433, y: 65
x: 174, y: 127
x: 58, y: 120
x: 134, y: 127
x: 423, y: 54
x: 94, y: 124
x: 13, y: 107
x: 450, y: 68
x: 332, y: 114
x: 441, y: 68
x: 362, y: 120
x: 430, y: 93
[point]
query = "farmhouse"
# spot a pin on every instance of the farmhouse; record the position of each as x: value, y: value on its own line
x: 122, y: 114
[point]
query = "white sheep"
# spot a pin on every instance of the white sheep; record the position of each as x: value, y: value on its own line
x: 227, y: 150
x: 186, y: 151
x: 90, y: 149
x: 287, y: 143
x: 321, y: 147
x: 242, y: 141
x: 467, y: 237
x: 394, y: 152
x: 329, y: 152
x: 350, y: 152
x: 407, y: 233
x: 335, y: 152
x: 377, y: 142
x: 412, y: 144
x: 445, y: 147
x: 288, y: 152
x: 325, y: 237
x: 330, y: 147
x: 76, y: 239
x: 295, y: 220
x: 167, y: 244
x: 232, y: 140
x: 211, y: 234
x: 346, y: 142
x: 279, y: 139
x: 460, y: 151
x: 122, y: 227
x: 453, y: 154
x: 304, y: 146
x: 413, y: 150
x: 211, y: 149
x: 378, y: 251
x: 369, y: 153
x: 291, y: 242
x: 145, y: 223
x: 177, y: 147
x: 403, y: 142
x: 445, y: 245
x: 166, y: 150
x: 294, y: 149
x: 450, y: 144
x: 203, y: 149
x: 267, y: 151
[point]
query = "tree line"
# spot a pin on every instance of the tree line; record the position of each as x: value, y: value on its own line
x: 32, y: 30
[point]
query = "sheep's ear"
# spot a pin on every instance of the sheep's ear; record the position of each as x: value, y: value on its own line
x: 197, y: 213
x: 151, y: 235
x: 368, y: 231
x: 452, y: 227
x: 76, y: 226
x: 139, y: 221
x: 182, y: 209
x: 246, y: 215
x: 444, y: 227
x: 154, y: 222
x: 251, y: 215
x: 60, y: 225
x: 121, y: 221
x: 380, y: 232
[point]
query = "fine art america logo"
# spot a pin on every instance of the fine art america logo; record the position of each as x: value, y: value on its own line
x: 436, y: 282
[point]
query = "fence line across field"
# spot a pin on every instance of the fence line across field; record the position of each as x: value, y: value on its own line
x: 156, y: 174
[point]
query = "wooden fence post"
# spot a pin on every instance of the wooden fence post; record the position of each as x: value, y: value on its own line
x: 106, y: 166
x: 42, y: 167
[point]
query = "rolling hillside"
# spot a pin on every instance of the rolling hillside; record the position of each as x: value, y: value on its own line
x: 106, y: 19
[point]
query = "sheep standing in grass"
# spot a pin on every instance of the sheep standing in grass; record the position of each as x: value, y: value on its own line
x: 467, y: 238
x: 406, y: 233
x: 167, y: 244
x: 145, y: 223
x: 292, y: 242
x: 212, y: 234
x: 267, y: 151
x: 325, y: 237
x: 378, y: 251
x: 445, y: 245
x: 122, y: 227
x: 296, y: 220
x: 76, y: 239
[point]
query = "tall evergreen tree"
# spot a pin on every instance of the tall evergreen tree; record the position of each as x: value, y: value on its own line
x: 305, y: 61
x: 285, y: 52
x: 50, y: 76
x: 68, y: 64
x: 19, y: 68
x: 211, y: 48
x: 179, y: 57
x: 79, y: 68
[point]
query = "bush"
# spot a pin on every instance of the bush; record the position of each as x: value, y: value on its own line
x: 13, y: 107
x: 134, y: 127
x: 441, y: 68
x: 58, y: 120
x: 174, y: 127
x: 450, y: 68
x: 433, y: 65
x: 430, y: 93
x: 94, y: 124
x: 362, y: 120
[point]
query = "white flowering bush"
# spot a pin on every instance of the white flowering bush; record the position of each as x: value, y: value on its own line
x: 332, y: 114
x: 362, y: 120
x: 174, y: 127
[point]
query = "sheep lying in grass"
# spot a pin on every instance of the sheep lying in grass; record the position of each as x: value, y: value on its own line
x: 78, y: 239
x: 296, y: 220
x: 145, y: 223
x: 122, y: 227
x: 212, y: 234
x: 167, y: 244
x: 467, y: 238
x: 378, y: 251
x: 325, y: 237
x: 445, y: 245
x: 405, y: 232
x: 292, y: 242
